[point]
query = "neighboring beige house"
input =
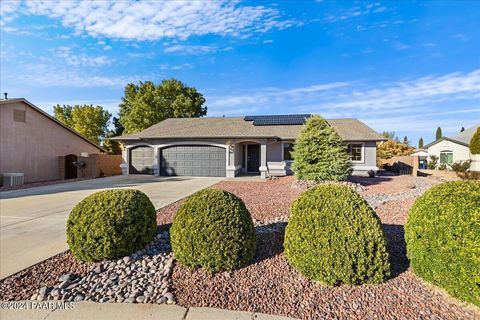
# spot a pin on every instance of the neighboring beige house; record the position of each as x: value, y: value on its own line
x: 452, y: 149
x: 229, y: 146
x: 31, y: 142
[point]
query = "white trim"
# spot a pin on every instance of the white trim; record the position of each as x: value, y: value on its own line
x: 363, y: 151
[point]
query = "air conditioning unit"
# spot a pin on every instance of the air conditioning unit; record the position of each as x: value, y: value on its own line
x: 12, y: 179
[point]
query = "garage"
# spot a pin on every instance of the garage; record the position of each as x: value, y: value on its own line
x: 141, y: 160
x: 193, y: 160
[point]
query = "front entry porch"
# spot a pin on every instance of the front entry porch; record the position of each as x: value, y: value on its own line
x: 248, y: 157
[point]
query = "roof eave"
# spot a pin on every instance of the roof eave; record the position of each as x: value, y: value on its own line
x: 448, y: 139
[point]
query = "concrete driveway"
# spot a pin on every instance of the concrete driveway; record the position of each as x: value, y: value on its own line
x: 33, y: 221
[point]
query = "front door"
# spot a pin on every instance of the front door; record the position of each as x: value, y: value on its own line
x: 253, y: 158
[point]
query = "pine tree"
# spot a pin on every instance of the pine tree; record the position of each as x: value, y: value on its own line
x: 420, y: 143
x: 320, y: 153
x: 405, y: 140
x: 463, y: 129
x: 438, y: 134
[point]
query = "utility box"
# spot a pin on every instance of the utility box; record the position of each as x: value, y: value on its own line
x: 12, y: 179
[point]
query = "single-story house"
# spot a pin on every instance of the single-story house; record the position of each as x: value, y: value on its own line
x: 452, y: 149
x: 229, y: 146
x: 31, y: 142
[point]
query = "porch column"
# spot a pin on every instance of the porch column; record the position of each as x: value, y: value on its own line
x: 230, y: 160
x: 263, y: 160
x: 156, y: 159
x: 125, y: 157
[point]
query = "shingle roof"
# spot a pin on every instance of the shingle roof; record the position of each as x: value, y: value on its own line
x: 466, y: 135
x: 462, y: 138
x: 236, y: 127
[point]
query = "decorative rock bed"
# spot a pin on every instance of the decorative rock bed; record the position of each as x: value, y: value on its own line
x: 307, y: 184
x: 417, y: 188
x: 143, y: 277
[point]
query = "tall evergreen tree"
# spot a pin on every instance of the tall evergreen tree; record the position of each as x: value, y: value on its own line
x: 405, y: 140
x: 420, y: 143
x: 463, y: 129
x: 438, y: 134
x: 320, y: 153
x: 388, y: 134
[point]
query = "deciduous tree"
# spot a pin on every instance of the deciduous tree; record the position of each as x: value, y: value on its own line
x: 146, y: 104
x: 88, y: 120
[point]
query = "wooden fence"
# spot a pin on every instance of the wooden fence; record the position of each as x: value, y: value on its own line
x: 401, y: 165
x: 95, y: 165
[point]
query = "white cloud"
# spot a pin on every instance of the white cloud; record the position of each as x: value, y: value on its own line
x: 8, y: 11
x: 352, y: 98
x: 47, y: 75
x: 267, y: 41
x: 184, y: 66
x: 190, y: 49
x: 80, y: 60
x: 153, y: 20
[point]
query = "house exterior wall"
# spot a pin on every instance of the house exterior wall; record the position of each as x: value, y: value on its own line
x: 33, y: 147
x: 460, y: 152
x: 369, y: 161
x: 274, y: 153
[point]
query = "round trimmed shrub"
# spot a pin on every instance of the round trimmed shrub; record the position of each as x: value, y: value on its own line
x: 111, y: 224
x: 333, y: 236
x: 443, y: 238
x: 213, y: 230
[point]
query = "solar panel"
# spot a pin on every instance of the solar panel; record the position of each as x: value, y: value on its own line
x: 283, y: 119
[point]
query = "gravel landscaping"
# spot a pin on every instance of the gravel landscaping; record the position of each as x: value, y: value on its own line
x: 268, y: 284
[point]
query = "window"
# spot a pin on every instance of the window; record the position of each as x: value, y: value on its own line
x: 287, y: 149
x: 446, y: 157
x: 18, y: 115
x: 355, y: 150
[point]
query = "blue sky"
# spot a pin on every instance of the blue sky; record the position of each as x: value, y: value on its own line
x: 403, y: 66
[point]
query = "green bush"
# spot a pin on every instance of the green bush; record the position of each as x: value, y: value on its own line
x: 213, y: 230
x: 475, y: 142
x: 443, y: 238
x: 461, y: 166
x: 320, y: 153
x: 334, y: 236
x: 110, y: 224
x: 432, y: 164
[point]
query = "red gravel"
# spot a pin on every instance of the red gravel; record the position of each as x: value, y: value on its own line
x: 266, y: 200
x: 384, y: 183
x: 22, y: 285
x: 270, y: 285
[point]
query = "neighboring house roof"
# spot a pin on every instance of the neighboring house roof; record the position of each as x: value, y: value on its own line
x: 237, y: 127
x: 462, y: 138
x: 14, y: 100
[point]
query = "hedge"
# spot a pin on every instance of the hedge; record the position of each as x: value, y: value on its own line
x: 213, y: 230
x: 334, y: 236
x: 443, y: 238
x: 110, y: 224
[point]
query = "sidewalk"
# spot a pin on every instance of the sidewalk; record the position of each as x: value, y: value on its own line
x: 115, y: 311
